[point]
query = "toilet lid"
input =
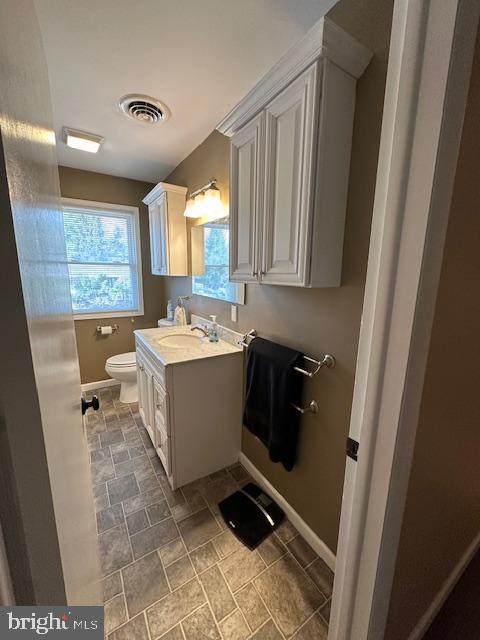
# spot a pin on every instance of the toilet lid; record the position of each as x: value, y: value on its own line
x: 123, y: 360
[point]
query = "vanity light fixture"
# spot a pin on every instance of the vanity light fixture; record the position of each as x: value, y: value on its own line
x: 81, y: 140
x: 205, y: 202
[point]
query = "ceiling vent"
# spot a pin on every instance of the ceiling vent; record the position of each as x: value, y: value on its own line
x: 144, y: 108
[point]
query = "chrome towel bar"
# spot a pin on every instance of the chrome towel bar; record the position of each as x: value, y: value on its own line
x: 312, y: 408
x: 327, y: 360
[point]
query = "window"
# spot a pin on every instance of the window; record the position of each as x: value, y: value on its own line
x: 215, y: 281
x: 103, y: 255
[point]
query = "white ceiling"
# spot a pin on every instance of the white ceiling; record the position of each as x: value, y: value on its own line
x: 200, y: 57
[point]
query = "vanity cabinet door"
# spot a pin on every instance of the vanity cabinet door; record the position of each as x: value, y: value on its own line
x: 161, y: 411
x: 161, y: 406
x: 246, y: 180
x: 159, y: 235
x: 142, y: 387
x: 162, y: 425
x: 290, y: 145
x: 163, y: 449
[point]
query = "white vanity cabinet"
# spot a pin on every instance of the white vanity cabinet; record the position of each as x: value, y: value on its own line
x: 168, y: 229
x: 289, y: 163
x: 192, y: 411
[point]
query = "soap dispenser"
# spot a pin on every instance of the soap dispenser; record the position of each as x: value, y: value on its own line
x: 213, y: 329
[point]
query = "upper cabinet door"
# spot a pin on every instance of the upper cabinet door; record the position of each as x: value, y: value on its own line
x: 159, y: 235
x: 291, y: 132
x: 246, y: 195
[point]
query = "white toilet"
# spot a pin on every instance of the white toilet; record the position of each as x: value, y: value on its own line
x: 124, y: 369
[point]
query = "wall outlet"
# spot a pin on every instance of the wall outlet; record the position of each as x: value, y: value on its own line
x: 234, y: 310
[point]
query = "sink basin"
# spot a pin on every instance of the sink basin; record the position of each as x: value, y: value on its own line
x: 180, y: 341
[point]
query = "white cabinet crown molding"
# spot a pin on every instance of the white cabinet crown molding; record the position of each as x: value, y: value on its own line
x: 162, y: 187
x: 325, y: 39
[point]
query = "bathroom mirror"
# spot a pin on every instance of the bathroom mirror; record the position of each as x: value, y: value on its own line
x: 210, y: 261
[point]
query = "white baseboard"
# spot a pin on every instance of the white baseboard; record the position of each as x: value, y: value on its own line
x: 445, y: 590
x: 110, y: 382
x: 325, y: 553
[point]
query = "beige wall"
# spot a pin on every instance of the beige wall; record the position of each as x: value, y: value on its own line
x: 442, y: 514
x: 93, y: 350
x: 314, y: 321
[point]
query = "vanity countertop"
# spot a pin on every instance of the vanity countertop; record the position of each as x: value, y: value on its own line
x: 203, y: 348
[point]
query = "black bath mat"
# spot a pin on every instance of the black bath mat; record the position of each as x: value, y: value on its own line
x: 251, y: 515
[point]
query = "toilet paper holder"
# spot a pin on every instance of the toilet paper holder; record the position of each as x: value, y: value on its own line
x: 115, y: 327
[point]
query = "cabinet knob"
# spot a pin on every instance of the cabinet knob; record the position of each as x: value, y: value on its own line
x: 263, y: 273
x: 254, y: 273
x: 159, y: 405
x: 141, y: 367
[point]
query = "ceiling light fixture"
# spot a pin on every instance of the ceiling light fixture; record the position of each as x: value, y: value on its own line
x: 81, y: 140
x: 205, y: 203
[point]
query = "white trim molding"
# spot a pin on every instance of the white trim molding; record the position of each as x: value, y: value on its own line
x: 317, y: 544
x: 324, y: 40
x: 7, y: 597
x: 109, y: 382
x: 445, y: 590
x: 428, y: 75
x: 163, y: 187
x: 84, y: 205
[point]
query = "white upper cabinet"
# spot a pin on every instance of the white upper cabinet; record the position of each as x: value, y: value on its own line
x: 290, y: 156
x: 168, y: 229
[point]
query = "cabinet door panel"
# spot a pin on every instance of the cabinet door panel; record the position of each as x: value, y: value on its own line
x: 246, y: 173
x: 290, y: 130
x: 142, y: 401
x: 159, y: 235
x: 161, y: 407
x: 145, y: 395
x: 163, y: 449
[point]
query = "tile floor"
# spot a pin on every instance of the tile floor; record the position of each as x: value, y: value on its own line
x: 171, y: 568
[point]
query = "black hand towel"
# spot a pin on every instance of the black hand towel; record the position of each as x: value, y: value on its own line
x: 272, y: 387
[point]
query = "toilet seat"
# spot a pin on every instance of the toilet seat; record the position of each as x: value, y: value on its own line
x: 123, y: 360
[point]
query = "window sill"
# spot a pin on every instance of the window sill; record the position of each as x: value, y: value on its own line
x: 109, y: 314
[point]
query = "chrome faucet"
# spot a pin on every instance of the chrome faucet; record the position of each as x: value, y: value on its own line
x: 204, y: 330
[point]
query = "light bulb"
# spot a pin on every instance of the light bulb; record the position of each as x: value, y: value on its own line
x: 212, y: 194
x: 190, y: 209
x: 212, y: 205
x: 200, y: 205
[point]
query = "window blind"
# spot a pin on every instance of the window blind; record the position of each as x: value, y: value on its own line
x: 102, y: 260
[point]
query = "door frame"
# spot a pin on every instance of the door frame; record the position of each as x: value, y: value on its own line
x: 430, y: 60
x: 7, y: 597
